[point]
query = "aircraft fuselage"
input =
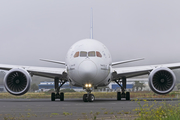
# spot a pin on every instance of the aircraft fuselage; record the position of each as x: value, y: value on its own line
x: 89, y: 62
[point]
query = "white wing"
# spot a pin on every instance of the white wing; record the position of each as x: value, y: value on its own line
x: 39, y: 71
x: 128, y: 72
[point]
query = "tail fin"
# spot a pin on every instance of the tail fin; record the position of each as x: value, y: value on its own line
x: 91, y: 29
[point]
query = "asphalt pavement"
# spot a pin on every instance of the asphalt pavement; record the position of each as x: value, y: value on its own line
x: 36, y: 109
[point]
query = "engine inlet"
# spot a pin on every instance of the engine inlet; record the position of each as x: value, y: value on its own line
x: 16, y: 81
x: 162, y: 80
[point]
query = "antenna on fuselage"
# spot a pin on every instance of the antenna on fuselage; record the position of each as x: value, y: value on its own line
x: 91, y: 29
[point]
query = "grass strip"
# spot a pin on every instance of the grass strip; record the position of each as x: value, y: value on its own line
x: 142, y: 94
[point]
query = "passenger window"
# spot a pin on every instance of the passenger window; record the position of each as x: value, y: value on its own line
x: 76, y: 54
x: 83, y: 54
x: 98, y: 54
x: 91, y: 54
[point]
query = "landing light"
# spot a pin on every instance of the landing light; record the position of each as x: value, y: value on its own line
x: 88, y: 85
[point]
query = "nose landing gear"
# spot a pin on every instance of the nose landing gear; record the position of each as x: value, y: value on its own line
x: 88, y: 97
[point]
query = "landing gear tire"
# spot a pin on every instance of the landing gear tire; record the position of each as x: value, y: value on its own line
x: 53, y: 96
x: 127, y: 95
x: 91, y: 98
x: 118, y: 95
x: 61, y: 96
x: 85, y: 98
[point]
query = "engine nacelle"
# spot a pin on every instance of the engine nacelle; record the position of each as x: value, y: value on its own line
x: 162, y: 80
x: 17, y: 81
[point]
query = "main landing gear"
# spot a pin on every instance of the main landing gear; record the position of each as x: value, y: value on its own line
x: 123, y: 88
x: 88, y: 97
x: 57, y: 94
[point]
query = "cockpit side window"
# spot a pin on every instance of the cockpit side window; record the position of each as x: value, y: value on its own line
x: 83, y: 54
x: 91, y: 54
x: 76, y: 54
x: 98, y: 54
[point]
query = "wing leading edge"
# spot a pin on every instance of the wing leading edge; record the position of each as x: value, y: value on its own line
x: 119, y: 73
x: 39, y: 71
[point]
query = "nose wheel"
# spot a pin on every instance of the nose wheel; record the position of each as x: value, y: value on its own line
x: 88, y: 97
x: 85, y: 98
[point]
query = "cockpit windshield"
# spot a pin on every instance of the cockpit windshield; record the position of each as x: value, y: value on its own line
x: 91, y: 54
x: 76, y: 54
x: 83, y: 54
x: 98, y: 54
x: 87, y: 54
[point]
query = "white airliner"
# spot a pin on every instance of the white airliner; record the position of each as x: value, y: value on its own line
x: 89, y: 65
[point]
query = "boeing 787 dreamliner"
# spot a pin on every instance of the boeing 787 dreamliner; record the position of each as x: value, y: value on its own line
x: 89, y: 65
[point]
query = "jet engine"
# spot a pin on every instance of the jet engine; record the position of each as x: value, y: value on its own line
x: 17, y: 81
x: 162, y: 80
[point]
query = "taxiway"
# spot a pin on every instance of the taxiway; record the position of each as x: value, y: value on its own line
x: 71, y: 108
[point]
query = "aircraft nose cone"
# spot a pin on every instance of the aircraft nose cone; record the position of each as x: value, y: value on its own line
x: 87, y: 70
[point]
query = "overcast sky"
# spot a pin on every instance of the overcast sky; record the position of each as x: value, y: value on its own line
x: 35, y: 29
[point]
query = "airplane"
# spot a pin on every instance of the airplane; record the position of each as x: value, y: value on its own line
x: 89, y: 65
